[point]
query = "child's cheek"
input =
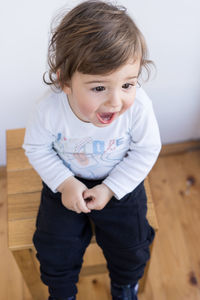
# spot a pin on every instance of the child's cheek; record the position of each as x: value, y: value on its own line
x: 88, y: 108
x: 129, y: 103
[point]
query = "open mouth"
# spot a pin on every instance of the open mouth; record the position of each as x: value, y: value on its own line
x: 105, y: 118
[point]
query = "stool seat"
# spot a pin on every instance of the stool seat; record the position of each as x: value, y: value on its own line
x: 23, y: 191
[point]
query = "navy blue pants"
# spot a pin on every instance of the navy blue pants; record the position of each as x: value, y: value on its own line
x: 62, y: 236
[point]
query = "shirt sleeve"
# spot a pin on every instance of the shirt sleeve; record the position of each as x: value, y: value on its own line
x: 38, y: 146
x: 142, y: 155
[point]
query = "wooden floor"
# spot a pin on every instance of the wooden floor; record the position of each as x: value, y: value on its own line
x: 175, y: 263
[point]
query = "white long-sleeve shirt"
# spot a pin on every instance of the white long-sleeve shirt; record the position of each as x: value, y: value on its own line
x: 59, y: 145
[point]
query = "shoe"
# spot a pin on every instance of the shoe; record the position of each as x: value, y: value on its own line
x: 124, y: 292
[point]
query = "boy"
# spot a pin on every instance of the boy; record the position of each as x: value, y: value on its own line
x: 93, y: 141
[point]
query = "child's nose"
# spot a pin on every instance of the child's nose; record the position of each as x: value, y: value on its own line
x: 114, y: 100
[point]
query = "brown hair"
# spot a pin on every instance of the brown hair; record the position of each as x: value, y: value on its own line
x: 95, y: 37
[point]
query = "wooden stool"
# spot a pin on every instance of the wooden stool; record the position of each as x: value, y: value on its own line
x: 23, y: 189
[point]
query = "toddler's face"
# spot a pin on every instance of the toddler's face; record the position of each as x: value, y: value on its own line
x: 100, y: 99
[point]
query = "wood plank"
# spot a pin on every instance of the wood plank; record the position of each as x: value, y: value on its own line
x: 15, y: 138
x: 151, y: 213
x: 23, y: 181
x: 151, y: 216
x: 171, y: 251
x: 186, y: 186
x: 21, y: 225
x: 20, y: 233
x: 10, y: 278
x: 148, y: 190
x: 143, y: 280
x: 17, y: 160
x: 95, y: 269
x: 176, y: 148
x: 23, y: 206
x: 26, y: 262
x: 169, y: 229
x: 90, y: 259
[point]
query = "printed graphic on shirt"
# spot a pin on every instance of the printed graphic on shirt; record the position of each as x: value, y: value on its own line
x: 88, y: 154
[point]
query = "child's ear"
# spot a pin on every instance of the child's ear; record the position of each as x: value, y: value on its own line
x: 67, y: 89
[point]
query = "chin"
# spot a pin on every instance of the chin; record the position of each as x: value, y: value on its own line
x: 101, y: 125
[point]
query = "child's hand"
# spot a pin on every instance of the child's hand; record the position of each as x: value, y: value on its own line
x: 72, y: 195
x: 98, y: 196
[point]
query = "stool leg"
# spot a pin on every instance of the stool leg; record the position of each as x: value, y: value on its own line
x: 27, y: 264
x: 143, y: 280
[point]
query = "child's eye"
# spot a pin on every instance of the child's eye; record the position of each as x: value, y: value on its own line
x: 98, y: 89
x: 128, y: 86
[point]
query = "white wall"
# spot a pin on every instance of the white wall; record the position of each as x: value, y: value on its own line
x: 172, y: 31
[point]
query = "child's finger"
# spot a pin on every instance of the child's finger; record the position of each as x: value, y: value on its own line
x: 91, y: 204
x: 84, y: 207
x: 86, y: 194
x: 77, y: 209
x: 89, y: 198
